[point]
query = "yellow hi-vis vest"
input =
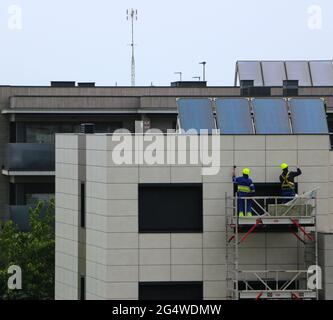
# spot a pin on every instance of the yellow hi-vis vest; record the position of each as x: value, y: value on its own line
x: 244, y: 189
x: 286, y: 184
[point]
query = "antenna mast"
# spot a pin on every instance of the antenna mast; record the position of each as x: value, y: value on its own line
x: 132, y: 14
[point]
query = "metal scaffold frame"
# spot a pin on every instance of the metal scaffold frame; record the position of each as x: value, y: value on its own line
x: 271, y: 214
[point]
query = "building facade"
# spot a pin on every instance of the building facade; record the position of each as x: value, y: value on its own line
x: 30, y: 117
x: 116, y: 247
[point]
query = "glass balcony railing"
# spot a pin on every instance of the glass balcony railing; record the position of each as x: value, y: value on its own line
x: 30, y: 157
x: 20, y: 216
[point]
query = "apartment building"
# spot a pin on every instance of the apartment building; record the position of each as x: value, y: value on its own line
x: 31, y: 116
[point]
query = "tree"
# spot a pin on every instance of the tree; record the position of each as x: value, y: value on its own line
x: 33, y: 251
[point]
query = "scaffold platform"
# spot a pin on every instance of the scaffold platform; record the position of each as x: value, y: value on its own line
x: 271, y: 214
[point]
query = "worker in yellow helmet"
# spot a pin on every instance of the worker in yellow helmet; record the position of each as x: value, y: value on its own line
x: 245, y: 189
x: 287, y: 179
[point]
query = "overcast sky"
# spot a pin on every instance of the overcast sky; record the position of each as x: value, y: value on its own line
x: 87, y: 40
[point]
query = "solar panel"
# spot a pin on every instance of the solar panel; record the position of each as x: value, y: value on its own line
x: 233, y: 116
x: 274, y: 73
x: 250, y: 70
x: 196, y: 114
x: 322, y: 73
x: 271, y: 116
x: 308, y: 116
x: 299, y: 70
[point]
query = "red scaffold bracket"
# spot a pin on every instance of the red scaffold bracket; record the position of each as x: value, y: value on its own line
x: 259, y: 295
x: 231, y: 238
x: 295, y: 296
x: 295, y: 222
x: 251, y: 230
x: 298, y: 237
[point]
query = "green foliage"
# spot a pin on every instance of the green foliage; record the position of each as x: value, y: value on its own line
x: 33, y: 251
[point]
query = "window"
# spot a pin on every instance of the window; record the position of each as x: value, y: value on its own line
x: 83, y: 206
x: 170, y: 291
x: 270, y: 189
x: 45, y: 133
x: 12, y: 132
x: 82, y: 288
x: 166, y: 208
x: 40, y: 134
x: 108, y: 127
x: 330, y: 127
x: 32, y: 199
x: 30, y: 193
x: 163, y: 122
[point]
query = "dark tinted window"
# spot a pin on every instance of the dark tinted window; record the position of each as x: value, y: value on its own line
x: 82, y: 288
x: 330, y: 126
x: 330, y: 122
x: 170, y: 291
x: 170, y: 208
x: 30, y: 193
x: 83, y: 205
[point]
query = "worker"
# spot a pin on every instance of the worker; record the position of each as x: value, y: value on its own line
x: 245, y: 189
x: 287, y: 179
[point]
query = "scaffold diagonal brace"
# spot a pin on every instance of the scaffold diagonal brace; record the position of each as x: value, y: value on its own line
x: 251, y: 230
x: 231, y: 238
x: 295, y: 222
x: 298, y: 237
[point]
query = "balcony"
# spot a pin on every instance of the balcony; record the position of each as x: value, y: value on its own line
x: 29, y: 159
x: 20, y: 216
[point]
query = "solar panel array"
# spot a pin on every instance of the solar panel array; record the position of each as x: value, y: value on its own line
x: 196, y: 114
x: 271, y: 116
x: 234, y: 116
x: 253, y: 116
x: 273, y: 73
x: 308, y: 116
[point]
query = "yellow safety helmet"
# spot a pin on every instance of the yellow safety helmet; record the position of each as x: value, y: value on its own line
x: 247, y: 171
x: 284, y: 166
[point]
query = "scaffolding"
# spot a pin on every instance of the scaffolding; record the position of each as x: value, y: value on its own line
x: 272, y: 280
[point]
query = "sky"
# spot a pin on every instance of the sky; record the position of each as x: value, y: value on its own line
x: 88, y: 40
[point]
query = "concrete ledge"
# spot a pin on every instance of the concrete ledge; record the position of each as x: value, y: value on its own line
x: 28, y: 173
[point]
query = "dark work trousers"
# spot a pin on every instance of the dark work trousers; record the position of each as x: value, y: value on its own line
x: 288, y: 193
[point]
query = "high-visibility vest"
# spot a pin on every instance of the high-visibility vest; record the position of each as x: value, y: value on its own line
x: 287, y: 184
x: 244, y: 189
